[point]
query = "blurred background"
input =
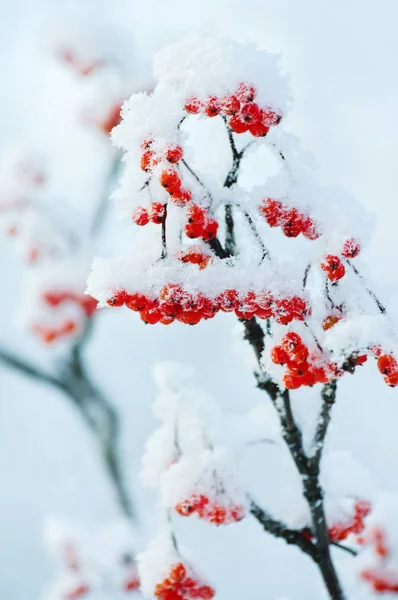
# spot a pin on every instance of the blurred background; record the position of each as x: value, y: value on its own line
x: 341, y: 59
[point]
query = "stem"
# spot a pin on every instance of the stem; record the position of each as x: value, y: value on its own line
x: 230, y: 241
x: 278, y: 529
x: 265, y: 251
x: 164, y: 240
x: 101, y: 210
x: 99, y: 415
x: 328, y: 394
x: 379, y: 305
x: 197, y: 178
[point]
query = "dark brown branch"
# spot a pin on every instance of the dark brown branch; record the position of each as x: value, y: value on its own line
x: 230, y: 242
x: 164, y: 240
x: 278, y: 529
x: 328, y: 394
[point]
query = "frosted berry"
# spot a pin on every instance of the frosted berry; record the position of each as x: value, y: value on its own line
x: 140, y: 216
x: 351, y: 248
x: 117, y: 299
x: 333, y: 266
x: 170, y: 180
x: 272, y: 211
x: 292, y: 223
x: 174, y: 154
x: 210, y: 230
x: 279, y: 356
x: 245, y: 92
x: 387, y: 364
x: 156, y: 212
x: 230, y: 105
x: 238, y: 125
x: 330, y: 321
x: 193, y: 105
x: 213, y: 107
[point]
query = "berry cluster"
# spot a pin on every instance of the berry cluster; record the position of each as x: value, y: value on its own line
x: 381, y: 579
x: 381, y: 582
x: 50, y: 334
x: 238, y: 109
x: 182, y: 584
x: 291, y: 220
x: 213, y: 512
x: 172, y: 183
x: 339, y: 531
x: 87, y: 303
x: 77, y: 592
x: 302, y: 368
x: 333, y: 265
x: 176, y: 303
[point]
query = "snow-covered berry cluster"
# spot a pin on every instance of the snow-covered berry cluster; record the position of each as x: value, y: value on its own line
x: 179, y: 195
x: 91, y: 561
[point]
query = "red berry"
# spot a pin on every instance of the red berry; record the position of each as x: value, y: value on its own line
x: 213, y: 107
x: 230, y: 105
x: 251, y: 113
x: 292, y: 223
x: 258, y: 129
x: 147, y: 161
x: 156, y: 212
x: 193, y: 230
x: 238, y: 125
x: 170, y: 181
x: 290, y: 341
x: 333, y: 266
x: 330, y: 321
x: 174, y: 154
x: 146, y: 143
x: 210, y: 230
x: 190, y: 317
x: 387, y: 365
x: 273, y: 212
x: 193, y: 105
x: 309, y: 229
x: 351, y: 248
x: 228, y: 300
x: 151, y: 316
x: 279, y: 356
x: 117, y: 299
x: 136, y: 301
x: 181, y: 197
x: 270, y: 117
x: 140, y: 216
x: 196, y: 214
x: 245, y: 92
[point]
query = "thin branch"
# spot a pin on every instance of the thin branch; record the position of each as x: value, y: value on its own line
x: 328, y: 394
x: 379, y: 305
x: 265, y: 251
x: 306, y: 273
x: 345, y: 548
x: 230, y: 241
x: 278, y: 529
x: 24, y: 367
x: 164, y: 240
x: 197, y: 178
x: 101, y: 210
